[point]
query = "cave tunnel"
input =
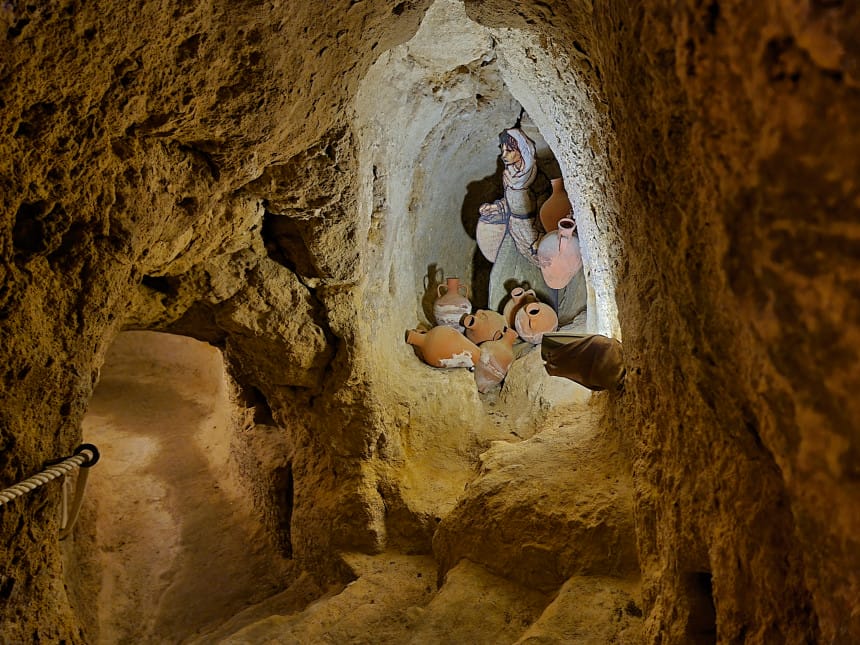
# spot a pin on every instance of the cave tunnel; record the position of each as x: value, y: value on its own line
x: 174, y: 546
x: 219, y: 221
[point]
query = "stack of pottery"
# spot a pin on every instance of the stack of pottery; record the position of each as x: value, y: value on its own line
x: 484, y: 325
x: 534, y: 320
x: 444, y: 347
x: 520, y: 297
x: 495, y: 360
x: 450, y: 307
x: 455, y: 341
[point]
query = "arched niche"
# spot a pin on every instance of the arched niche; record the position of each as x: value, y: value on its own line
x: 428, y: 116
x: 429, y: 113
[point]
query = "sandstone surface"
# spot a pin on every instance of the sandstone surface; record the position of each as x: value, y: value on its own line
x: 284, y: 181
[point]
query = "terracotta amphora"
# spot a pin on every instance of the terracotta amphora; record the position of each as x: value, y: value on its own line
x: 449, y: 309
x: 520, y: 297
x: 496, y: 358
x: 559, y: 255
x: 534, y: 320
x: 444, y: 347
x: 557, y: 207
x: 483, y: 325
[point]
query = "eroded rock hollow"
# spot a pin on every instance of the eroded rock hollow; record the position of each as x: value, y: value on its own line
x: 278, y: 188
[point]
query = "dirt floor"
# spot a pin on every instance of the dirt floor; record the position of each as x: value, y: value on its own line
x: 180, y: 558
x: 178, y: 550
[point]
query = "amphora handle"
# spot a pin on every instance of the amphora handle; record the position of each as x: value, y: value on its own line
x: 566, y: 227
x: 460, y: 290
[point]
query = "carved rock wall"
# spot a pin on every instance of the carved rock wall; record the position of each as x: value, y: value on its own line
x: 128, y: 134
x: 731, y: 156
x: 754, y: 228
x: 203, y: 169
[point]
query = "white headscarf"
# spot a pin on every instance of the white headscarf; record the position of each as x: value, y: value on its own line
x: 523, y: 178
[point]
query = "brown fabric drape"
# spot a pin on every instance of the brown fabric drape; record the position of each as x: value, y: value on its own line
x: 592, y: 360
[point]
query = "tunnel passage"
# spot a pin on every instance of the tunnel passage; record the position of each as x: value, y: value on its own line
x: 715, y: 169
x: 428, y: 118
x: 178, y: 543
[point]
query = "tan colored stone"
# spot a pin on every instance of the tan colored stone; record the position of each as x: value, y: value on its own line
x: 589, y: 611
x: 281, y: 180
x: 543, y: 510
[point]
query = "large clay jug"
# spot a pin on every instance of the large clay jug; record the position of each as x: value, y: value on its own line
x: 559, y: 255
x: 450, y: 308
x: 520, y: 297
x: 483, y: 325
x: 496, y: 358
x: 534, y: 320
x: 557, y: 207
x: 444, y: 347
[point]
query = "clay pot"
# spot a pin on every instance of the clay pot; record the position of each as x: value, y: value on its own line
x: 444, y: 347
x: 559, y: 255
x: 496, y: 357
x: 557, y: 207
x: 534, y: 320
x: 519, y: 298
x: 449, y: 309
x: 483, y: 325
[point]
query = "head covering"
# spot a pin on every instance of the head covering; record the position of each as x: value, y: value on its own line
x: 523, y: 178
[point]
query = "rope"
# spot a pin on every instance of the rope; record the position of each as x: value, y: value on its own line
x: 86, y: 455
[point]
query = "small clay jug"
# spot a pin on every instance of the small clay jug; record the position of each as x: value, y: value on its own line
x: 444, y: 347
x: 483, y: 325
x: 496, y: 358
x: 449, y: 309
x: 559, y: 255
x: 534, y: 320
x: 556, y: 207
x: 520, y: 297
